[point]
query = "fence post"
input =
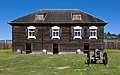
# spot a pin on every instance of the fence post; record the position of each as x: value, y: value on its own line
x: 105, y: 44
x: 116, y: 44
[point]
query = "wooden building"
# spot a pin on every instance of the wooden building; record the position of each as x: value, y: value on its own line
x: 57, y: 30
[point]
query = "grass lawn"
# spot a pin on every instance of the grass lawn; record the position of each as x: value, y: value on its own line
x: 65, y: 64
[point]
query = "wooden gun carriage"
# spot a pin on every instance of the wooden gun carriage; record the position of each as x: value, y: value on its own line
x: 94, y: 56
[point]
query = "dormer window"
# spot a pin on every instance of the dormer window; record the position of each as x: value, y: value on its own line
x: 40, y: 16
x: 76, y: 17
x: 55, y: 32
x: 77, y: 32
x: 31, y: 32
x: 93, y: 32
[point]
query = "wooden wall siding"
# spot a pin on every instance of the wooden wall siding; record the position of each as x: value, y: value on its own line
x: 38, y: 45
x: 65, y: 34
x: 46, y: 33
x: 44, y: 41
x: 38, y: 34
x: 74, y: 47
x: 85, y: 33
x: 19, y: 37
x: 47, y: 46
x: 69, y: 47
x: 18, y: 45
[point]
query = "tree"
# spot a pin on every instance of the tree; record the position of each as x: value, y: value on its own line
x: 105, y: 35
x: 114, y: 34
x: 108, y: 34
x: 118, y: 35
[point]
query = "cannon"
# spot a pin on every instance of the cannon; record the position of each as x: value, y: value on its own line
x: 94, y: 56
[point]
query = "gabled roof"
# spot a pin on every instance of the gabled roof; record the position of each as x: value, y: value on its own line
x: 58, y: 16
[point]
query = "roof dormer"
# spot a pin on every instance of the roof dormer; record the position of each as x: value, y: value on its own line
x: 76, y: 16
x: 40, y: 16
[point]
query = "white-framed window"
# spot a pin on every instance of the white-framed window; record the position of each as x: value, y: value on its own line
x: 76, y: 17
x: 93, y: 32
x: 31, y: 32
x: 39, y: 16
x: 55, y: 32
x: 77, y: 32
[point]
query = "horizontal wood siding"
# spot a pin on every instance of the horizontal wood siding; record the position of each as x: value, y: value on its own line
x: 66, y: 42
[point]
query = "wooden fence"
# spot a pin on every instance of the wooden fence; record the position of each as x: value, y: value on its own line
x: 5, y: 44
x: 108, y: 44
x: 112, y: 44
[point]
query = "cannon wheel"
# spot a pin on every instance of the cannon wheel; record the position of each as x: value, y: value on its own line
x: 105, y: 58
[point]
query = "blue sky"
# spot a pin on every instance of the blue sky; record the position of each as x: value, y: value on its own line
x: 108, y: 10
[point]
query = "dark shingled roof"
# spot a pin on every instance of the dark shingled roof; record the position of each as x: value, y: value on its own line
x: 58, y: 16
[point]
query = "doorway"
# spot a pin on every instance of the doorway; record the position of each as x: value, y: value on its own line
x: 55, y: 49
x: 86, y: 47
x: 28, y: 48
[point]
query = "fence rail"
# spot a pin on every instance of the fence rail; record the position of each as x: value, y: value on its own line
x: 108, y: 44
x: 112, y: 44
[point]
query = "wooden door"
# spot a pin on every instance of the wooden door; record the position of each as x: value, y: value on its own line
x: 86, y: 47
x: 28, y: 48
x: 55, y: 49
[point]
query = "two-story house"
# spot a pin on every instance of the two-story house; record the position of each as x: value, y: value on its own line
x: 57, y: 30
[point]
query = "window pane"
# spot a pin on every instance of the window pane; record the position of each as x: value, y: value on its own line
x: 53, y: 33
x: 78, y: 33
x: 33, y: 33
x: 39, y: 17
x: 30, y: 34
x: 75, y: 33
x: 94, y: 34
x: 77, y: 17
x: 57, y: 34
x: 90, y: 33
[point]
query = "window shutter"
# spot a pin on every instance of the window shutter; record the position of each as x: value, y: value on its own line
x: 26, y: 32
x: 36, y: 32
x: 50, y: 32
x: 72, y: 32
x: 99, y: 33
x: 85, y: 33
x: 82, y: 33
x: 88, y: 33
x: 60, y: 32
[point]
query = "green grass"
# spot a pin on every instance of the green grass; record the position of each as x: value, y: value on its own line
x: 6, y: 51
x: 112, y: 51
x: 65, y: 64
